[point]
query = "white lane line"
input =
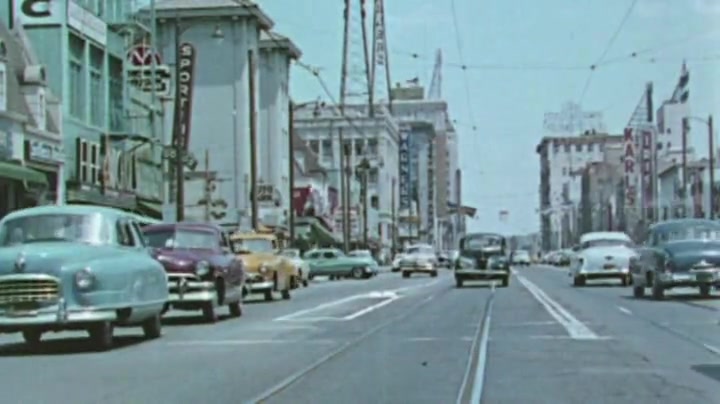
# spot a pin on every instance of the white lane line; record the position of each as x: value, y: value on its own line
x: 413, y: 287
x: 436, y: 339
x: 369, y: 309
x: 624, y: 310
x: 478, y: 385
x: 712, y: 349
x: 575, y: 328
x: 318, y: 307
x: 252, y: 342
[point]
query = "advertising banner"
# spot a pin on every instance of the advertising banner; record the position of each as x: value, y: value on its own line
x: 404, y: 169
x: 184, y: 96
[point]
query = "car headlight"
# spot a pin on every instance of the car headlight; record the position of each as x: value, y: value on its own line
x: 202, y: 268
x: 84, y: 279
x: 263, y: 268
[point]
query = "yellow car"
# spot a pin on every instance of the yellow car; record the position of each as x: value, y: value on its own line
x: 266, y: 272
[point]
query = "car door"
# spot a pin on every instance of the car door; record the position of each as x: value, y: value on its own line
x: 329, y: 262
x: 227, y: 260
x: 313, y: 259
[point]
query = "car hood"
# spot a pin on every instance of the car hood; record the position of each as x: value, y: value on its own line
x: 51, y: 257
x: 602, y: 253
x: 688, y: 254
x: 181, y: 259
x: 253, y: 261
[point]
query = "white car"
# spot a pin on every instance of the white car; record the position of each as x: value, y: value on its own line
x: 396, y: 262
x: 302, y: 267
x: 602, y: 255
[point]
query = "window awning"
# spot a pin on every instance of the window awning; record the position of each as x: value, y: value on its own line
x: 21, y: 173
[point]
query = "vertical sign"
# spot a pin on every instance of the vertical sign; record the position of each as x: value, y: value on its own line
x: 648, y: 151
x: 404, y: 169
x: 630, y: 174
x: 184, y: 97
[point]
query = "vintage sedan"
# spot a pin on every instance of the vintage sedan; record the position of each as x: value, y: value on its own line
x: 334, y: 264
x: 602, y: 255
x: 203, y: 273
x: 477, y: 252
x: 419, y: 258
x: 77, y: 267
x: 267, y: 272
x: 678, y: 253
x: 302, y: 267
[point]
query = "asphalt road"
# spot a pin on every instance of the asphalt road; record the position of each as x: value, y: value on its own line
x: 394, y: 340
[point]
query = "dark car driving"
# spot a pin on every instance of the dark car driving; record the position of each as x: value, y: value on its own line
x: 482, y: 257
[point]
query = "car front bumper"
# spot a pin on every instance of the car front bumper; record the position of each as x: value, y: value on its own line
x: 613, y: 273
x: 690, y: 279
x: 57, y: 317
x: 184, y: 288
x: 413, y: 268
x: 481, y: 274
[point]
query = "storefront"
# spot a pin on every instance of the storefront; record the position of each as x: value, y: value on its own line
x: 20, y: 186
x: 48, y: 158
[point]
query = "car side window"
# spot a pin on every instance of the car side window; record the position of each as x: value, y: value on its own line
x: 124, y: 234
x: 329, y: 255
x: 138, y: 234
x: 224, y: 242
x: 312, y: 255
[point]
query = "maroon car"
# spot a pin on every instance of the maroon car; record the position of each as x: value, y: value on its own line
x: 203, y: 272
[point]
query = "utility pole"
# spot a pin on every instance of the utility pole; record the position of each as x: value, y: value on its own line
x: 253, y: 142
x: 711, y: 145
x: 393, y: 227
x: 364, y: 177
x: 684, y: 164
x: 343, y: 151
x: 291, y: 171
x: 179, y: 143
x: 208, y: 191
x: 653, y: 156
x: 346, y: 173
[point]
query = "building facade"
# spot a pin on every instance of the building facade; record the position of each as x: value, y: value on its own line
x: 273, y: 156
x: 31, y: 151
x: 109, y: 126
x: 227, y: 31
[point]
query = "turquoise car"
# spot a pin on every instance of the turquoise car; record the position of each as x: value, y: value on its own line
x: 77, y: 267
x: 334, y: 264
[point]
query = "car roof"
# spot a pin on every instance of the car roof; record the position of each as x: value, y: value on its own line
x: 72, y: 209
x: 604, y: 235
x: 184, y: 225
x: 675, y: 223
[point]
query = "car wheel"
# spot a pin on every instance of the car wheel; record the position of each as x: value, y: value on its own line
x: 458, y: 282
x: 506, y: 282
x: 101, y: 335
x: 579, y: 281
x: 357, y: 273
x: 268, y: 294
x: 32, y: 337
x: 208, y: 312
x: 638, y: 291
x: 433, y: 274
x: 625, y: 280
x: 405, y: 274
x: 658, y: 292
x: 704, y: 290
x: 152, y: 327
x: 285, y: 294
x: 235, y: 309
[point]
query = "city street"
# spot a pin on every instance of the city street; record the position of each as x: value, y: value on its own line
x: 394, y: 340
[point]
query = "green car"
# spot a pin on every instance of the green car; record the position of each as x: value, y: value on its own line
x: 334, y: 264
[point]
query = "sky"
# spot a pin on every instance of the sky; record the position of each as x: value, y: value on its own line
x: 523, y: 58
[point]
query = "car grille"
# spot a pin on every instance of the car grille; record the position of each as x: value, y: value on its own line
x: 174, y: 278
x: 28, y: 290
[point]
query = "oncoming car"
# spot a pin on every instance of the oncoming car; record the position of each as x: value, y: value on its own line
x: 602, y: 255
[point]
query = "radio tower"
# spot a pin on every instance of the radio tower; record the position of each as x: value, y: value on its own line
x: 379, y: 86
x: 355, y: 69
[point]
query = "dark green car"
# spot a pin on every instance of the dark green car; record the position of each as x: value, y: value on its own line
x: 482, y: 258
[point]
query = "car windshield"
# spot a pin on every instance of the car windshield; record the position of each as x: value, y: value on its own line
x: 477, y: 243
x: 290, y: 253
x: 254, y: 245
x: 690, y: 233
x: 181, y: 239
x: 424, y: 250
x: 521, y: 254
x: 87, y: 228
x: 606, y: 243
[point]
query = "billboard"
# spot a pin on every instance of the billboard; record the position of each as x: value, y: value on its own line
x: 629, y: 168
x: 39, y: 12
x: 404, y: 169
x: 184, y: 95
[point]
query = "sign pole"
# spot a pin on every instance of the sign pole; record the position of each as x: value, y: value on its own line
x: 253, y: 143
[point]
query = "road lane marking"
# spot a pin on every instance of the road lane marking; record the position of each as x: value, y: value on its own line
x: 370, y: 309
x: 712, y: 349
x: 413, y: 287
x: 318, y: 307
x: 436, y: 339
x: 480, y: 346
x: 575, y: 328
x: 624, y: 310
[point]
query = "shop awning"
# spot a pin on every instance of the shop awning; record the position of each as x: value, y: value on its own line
x: 310, y: 227
x: 150, y: 208
x: 20, y: 173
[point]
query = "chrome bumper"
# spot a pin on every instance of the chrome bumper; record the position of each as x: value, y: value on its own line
x: 604, y: 273
x: 55, y: 316
x: 188, y: 288
x: 697, y: 278
x: 257, y: 287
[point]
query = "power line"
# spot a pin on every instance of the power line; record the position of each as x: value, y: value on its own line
x: 458, y: 42
x: 609, y: 45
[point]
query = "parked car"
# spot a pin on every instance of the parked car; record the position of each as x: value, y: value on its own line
x: 303, y: 269
x: 77, y: 267
x: 267, y: 272
x: 602, y: 255
x: 367, y: 256
x: 335, y: 264
x: 678, y: 253
x: 419, y: 258
x: 203, y: 273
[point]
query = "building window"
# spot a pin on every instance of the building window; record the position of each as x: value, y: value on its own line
x: 564, y: 171
x: 579, y: 147
x: 42, y: 110
x: 77, y: 77
x: 89, y: 164
x: 591, y: 146
x: 97, y: 84
x: 3, y: 86
x: 567, y: 147
x: 116, y: 89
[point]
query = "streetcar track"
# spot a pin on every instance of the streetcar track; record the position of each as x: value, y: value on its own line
x: 336, y: 353
x: 477, y: 357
